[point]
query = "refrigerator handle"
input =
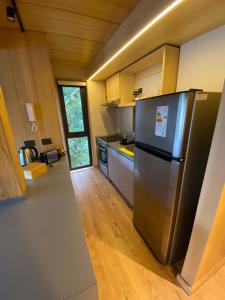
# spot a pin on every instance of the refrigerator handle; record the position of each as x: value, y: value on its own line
x: 158, y: 152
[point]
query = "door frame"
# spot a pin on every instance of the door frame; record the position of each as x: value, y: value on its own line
x: 66, y: 133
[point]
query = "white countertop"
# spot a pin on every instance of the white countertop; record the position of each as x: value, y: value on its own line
x: 43, y: 254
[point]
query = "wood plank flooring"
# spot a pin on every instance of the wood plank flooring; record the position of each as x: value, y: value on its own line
x: 124, y: 267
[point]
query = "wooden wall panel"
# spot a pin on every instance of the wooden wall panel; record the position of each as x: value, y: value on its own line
x: 9, y: 87
x: 24, y: 82
x: 45, y: 86
x: 12, y: 182
x: 102, y: 120
x: 27, y: 77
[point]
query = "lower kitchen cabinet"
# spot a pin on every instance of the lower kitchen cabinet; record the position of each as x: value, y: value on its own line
x: 114, y: 166
x: 120, y: 171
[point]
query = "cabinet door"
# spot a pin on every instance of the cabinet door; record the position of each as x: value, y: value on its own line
x: 113, y: 166
x: 126, y: 179
x: 127, y: 87
x: 113, y: 88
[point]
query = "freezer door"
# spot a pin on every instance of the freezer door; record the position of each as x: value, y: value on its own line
x: 161, y: 121
x: 156, y: 186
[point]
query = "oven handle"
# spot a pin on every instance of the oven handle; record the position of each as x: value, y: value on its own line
x: 101, y: 148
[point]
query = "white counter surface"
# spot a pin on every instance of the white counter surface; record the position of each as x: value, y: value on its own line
x: 43, y: 254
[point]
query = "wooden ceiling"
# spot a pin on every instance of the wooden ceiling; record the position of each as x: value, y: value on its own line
x: 76, y: 29
x: 191, y: 18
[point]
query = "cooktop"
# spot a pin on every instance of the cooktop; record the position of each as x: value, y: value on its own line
x: 110, y: 138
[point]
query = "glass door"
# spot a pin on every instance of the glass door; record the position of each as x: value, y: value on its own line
x: 74, y: 110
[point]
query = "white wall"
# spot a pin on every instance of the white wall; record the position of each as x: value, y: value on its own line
x: 150, y: 80
x: 202, y: 62
x: 151, y: 85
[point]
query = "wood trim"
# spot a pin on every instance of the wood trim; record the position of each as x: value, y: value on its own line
x: 183, y: 284
x: 72, y: 83
x: 190, y: 289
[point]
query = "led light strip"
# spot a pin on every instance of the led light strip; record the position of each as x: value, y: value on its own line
x: 134, y: 38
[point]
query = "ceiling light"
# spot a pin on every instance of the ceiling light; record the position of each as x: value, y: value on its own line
x: 134, y: 38
x: 11, y: 14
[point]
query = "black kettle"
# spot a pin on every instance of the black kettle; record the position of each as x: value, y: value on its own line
x: 27, y: 155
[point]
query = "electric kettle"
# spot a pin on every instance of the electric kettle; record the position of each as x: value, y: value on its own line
x: 27, y: 155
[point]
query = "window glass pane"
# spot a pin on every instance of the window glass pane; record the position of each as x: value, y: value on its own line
x: 74, y: 114
x: 79, y: 152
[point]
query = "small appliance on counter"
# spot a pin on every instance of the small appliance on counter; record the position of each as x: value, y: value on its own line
x: 102, y: 151
x: 51, y: 156
x: 28, y: 153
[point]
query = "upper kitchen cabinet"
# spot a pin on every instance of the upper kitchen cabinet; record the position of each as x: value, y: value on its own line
x: 120, y: 87
x: 155, y: 74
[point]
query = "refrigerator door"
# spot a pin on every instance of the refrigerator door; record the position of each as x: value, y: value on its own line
x: 155, y: 196
x: 161, y: 122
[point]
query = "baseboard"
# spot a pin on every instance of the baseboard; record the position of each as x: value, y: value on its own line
x: 190, y: 289
x: 183, y: 284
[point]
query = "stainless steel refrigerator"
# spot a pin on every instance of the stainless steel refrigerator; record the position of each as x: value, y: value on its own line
x: 173, y: 135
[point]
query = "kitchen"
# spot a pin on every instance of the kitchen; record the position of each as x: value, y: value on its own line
x: 115, y: 255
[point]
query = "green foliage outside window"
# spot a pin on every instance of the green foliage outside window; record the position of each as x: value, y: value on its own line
x: 72, y: 100
x: 79, y: 152
x: 78, y: 146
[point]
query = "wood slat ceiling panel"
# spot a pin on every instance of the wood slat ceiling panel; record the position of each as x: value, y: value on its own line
x: 76, y: 30
x: 39, y: 18
x: 63, y: 42
x: 62, y: 56
x: 111, y: 10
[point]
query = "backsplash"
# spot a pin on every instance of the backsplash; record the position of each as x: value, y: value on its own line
x: 125, y: 120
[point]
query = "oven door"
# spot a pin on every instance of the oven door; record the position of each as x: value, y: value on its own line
x: 103, y: 159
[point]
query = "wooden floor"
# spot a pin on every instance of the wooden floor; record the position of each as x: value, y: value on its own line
x: 124, y: 267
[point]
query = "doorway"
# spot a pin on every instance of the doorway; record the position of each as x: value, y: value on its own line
x: 74, y: 109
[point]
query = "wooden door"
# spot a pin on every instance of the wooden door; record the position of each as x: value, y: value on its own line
x: 12, y: 181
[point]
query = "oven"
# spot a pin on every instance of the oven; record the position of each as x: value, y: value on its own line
x: 102, y: 151
x: 102, y: 154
